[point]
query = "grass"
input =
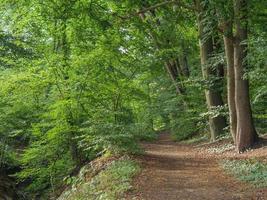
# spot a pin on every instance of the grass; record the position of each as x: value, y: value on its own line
x: 109, y: 184
x: 252, y: 171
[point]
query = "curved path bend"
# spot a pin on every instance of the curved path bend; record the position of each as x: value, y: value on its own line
x: 173, y: 171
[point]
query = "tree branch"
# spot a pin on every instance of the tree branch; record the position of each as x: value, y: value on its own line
x: 177, y: 2
x: 163, y: 4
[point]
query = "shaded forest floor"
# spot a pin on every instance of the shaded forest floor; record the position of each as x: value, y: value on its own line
x: 186, y: 172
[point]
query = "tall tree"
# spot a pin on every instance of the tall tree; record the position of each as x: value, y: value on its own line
x: 245, y: 132
x: 213, y: 95
x: 225, y: 16
x: 229, y: 52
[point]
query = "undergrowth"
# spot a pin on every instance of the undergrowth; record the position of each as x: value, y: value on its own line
x: 109, y: 184
x: 197, y: 139
x: 252, y: 171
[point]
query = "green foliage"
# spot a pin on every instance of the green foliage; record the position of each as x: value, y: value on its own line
x: 79, y: 96
x: 189, y: 120
x: 44, y: 177
x: 8, y: 156
x: 252, y: 171
x: 257, y: 75
x: 83, y: 78
x: 111, y: 138
x: 186, y: 126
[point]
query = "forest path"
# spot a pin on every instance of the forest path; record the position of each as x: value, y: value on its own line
x: 173, y: 171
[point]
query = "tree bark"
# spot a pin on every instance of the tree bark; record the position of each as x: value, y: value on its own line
x: 213, y: 96
x: 245, y: 132
x: 229, y: 53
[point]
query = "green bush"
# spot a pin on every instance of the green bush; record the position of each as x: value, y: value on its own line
x: 185, y: 126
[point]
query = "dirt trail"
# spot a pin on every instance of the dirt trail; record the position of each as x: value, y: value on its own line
x: 179, y: 172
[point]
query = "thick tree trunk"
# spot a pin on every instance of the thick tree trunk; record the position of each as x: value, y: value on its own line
x: 246, y: 134
x: 229, y: 52
x: 213, y: 96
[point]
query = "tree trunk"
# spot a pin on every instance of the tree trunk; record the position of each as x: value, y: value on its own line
x: 151, y: 120
x: 246, y: 134
x: 213, y: 96
x: 173, y: 73
x: 183, y: 62
x: 229, y: 52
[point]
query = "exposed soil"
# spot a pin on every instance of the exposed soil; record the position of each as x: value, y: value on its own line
x: 174, y: 171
